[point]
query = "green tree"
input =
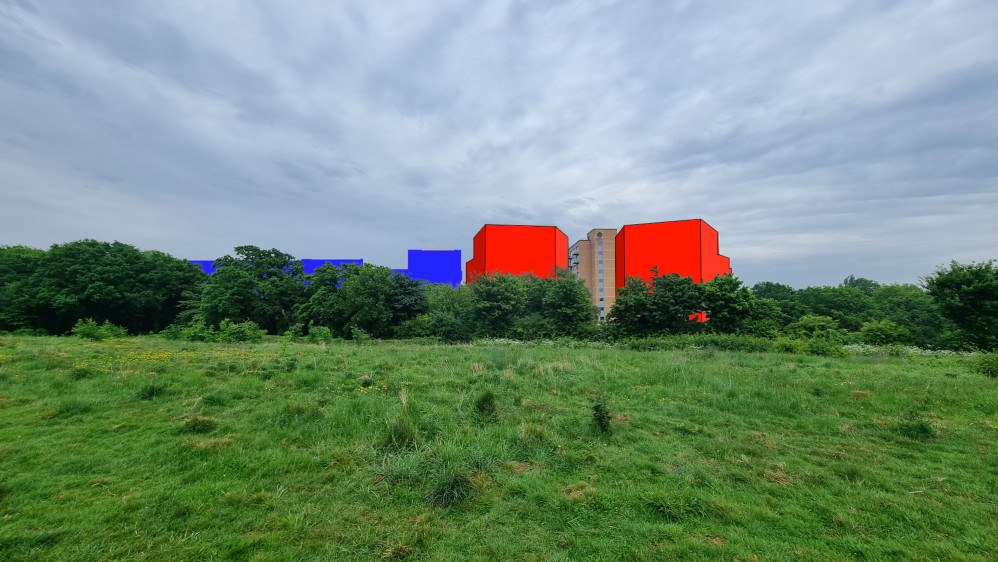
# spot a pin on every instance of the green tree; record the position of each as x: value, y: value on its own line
x: 728, y: 303
x: 365, y: 297
x: 784, y: 296
x: 262, y: 286
x: 556, y: 306
x: 499, y: 301
x: 913, y: 309
x: 886, y: 332
x: 674, y: 302
x: 630, y: 310
x: 112, y: 282
x: 867, y: 286
x: 669, y: 305
x: 815, y: 327
x: 17, y: 305
x: 848, y: 306
x: 967, y: 294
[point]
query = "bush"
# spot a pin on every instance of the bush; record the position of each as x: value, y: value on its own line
x: 449, y: 328
x: 248, y: 331
x: 359, y: 335
x: 89, y: 329
x: 318, y: 334
x: 825, y: 348
x: 986, y: 364
x: 885, y: 332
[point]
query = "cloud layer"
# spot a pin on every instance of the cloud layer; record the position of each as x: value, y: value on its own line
x: 820, y: 141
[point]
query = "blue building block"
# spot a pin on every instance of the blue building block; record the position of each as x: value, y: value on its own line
x: 435, y: 266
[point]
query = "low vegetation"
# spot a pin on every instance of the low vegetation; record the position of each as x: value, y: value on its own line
x: 150, y: 448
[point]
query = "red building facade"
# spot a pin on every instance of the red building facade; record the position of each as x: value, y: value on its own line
x: 688, y: 248
x: 517, y: 249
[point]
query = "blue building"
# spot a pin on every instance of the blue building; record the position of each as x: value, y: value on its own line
x: 435, y: 266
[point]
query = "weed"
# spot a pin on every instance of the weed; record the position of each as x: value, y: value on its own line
x: 79, y: 372
x: 199, y: 424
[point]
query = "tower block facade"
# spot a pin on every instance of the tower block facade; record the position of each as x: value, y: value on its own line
x: 517, y: 249
x: 689, y: 248
x: 594, y: 260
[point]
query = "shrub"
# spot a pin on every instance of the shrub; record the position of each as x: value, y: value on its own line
x: 359, y: 335
x: 601, y: 415
x: 885, y: 332
x: 91, y: 330
x: 449, y: 328
x: 986, y: 364
x: 248, y: 331
x: 825, y: 348
x: 198, y: 331
x: 318, y: 334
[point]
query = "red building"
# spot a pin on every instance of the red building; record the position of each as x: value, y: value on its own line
x: 505, y: 248
x: 688, y: 248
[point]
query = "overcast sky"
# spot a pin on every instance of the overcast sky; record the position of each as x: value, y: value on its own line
x: 821, y: 139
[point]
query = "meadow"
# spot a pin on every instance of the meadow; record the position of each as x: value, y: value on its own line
x: 145, y: 448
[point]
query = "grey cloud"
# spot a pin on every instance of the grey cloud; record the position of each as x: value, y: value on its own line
x: 821, y: 140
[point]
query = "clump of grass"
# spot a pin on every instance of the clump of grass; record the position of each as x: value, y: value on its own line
x: 199, y: 424
x: 532, y: 435
x: 851, y: 472
x: 401, y: 432
x: 68, y: 408
x: 601, y: 415
x: 486, y: 405
x: 917, y: 428
x: 151, y: 390
x: 678, y: 508
x: 213, y: 400
x: 299, y: 409
x: 78, y: 373
x: 453, y: 485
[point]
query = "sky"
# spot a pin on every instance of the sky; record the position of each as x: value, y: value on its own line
x: 820, y: 139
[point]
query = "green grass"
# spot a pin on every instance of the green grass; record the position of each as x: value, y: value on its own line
x: 150, y: 449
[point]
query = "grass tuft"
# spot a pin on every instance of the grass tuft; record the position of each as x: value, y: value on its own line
x: 401, y: 432
x: 199, y: 424
x: 452, y: 486
x: 601, y: 415
x: 486, y: 406
x: 152, y: 390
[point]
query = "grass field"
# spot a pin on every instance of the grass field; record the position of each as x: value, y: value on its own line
x: 151, y: 449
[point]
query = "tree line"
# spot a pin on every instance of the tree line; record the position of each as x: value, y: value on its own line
x: 255, y: 290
